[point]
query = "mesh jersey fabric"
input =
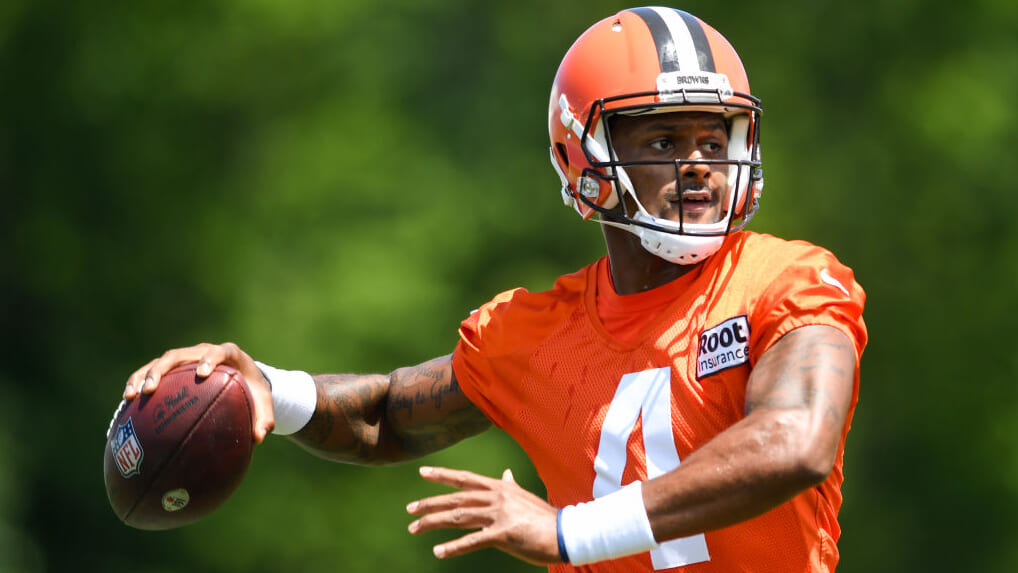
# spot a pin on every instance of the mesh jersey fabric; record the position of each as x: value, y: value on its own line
x: 545, y: 368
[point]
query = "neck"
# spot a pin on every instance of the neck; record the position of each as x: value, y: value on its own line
x: 633, y: 269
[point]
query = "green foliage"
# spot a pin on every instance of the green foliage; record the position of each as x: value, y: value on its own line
x: 334, y: 185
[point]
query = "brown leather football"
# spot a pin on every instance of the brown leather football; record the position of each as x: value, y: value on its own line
x: 174, y: 456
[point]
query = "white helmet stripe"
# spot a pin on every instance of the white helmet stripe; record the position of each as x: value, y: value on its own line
x: 679, y: 38
x: 704, y: 56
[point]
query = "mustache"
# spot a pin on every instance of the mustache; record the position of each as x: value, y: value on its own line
x: 698, y: 189
x: 694, y: 186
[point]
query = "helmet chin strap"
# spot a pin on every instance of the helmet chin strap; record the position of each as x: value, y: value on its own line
x: 674, y: 245
x: 678, y: 249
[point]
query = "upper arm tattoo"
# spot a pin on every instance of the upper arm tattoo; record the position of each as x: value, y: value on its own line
x: 380, y: 418
x: 420, y: 386
x: 427, y: 409
x: 811, y: 367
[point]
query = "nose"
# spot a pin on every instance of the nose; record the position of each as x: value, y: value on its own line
x: 690, y: 169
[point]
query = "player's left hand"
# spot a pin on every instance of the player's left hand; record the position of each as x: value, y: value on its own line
x: 506, y: 516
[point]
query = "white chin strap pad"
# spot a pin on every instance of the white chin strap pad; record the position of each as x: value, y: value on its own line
x: 678, y: 249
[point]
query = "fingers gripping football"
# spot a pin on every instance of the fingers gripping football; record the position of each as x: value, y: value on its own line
x: 505, y: 516
x: 146, y: 379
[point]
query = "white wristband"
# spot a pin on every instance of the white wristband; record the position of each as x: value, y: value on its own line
x: 294, y: 398
x: 611, y: 526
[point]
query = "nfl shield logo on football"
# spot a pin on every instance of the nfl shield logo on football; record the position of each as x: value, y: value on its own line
x: 127, y: 450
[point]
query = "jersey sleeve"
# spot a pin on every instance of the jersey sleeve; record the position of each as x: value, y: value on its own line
x: 480, y: 340
x: 812, y: 288
x: 497, y: 342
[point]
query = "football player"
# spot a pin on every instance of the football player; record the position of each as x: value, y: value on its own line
x: 685, y: 399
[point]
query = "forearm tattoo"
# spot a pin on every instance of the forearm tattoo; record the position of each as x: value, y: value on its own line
x: 345, y: 424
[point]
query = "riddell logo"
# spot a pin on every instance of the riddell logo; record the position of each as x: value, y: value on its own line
x: 723, y: 346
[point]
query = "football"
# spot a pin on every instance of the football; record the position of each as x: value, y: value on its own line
x: 174, y: 456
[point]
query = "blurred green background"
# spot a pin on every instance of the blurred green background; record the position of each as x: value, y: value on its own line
x: 334, y: 185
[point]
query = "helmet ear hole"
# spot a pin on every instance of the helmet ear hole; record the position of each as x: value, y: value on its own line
x: 560, y: 148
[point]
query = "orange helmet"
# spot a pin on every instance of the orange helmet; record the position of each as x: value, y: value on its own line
x: 651, y: 60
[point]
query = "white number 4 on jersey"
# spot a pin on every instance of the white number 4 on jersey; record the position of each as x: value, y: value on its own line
x: 648, y: 393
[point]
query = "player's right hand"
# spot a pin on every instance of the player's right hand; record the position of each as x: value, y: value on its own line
x: 145, y: 380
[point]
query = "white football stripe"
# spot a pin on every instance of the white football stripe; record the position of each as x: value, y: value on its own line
x: 682, y: 40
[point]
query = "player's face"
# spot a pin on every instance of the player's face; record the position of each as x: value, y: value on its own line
x: 700, y: 190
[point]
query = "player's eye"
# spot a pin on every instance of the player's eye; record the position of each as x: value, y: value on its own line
x: 662, y: 144
x: 713, y: 147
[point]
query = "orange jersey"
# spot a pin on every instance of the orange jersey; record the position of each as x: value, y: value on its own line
x: 601, y: 390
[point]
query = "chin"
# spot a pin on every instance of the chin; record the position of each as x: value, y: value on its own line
x: 701, y: 218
